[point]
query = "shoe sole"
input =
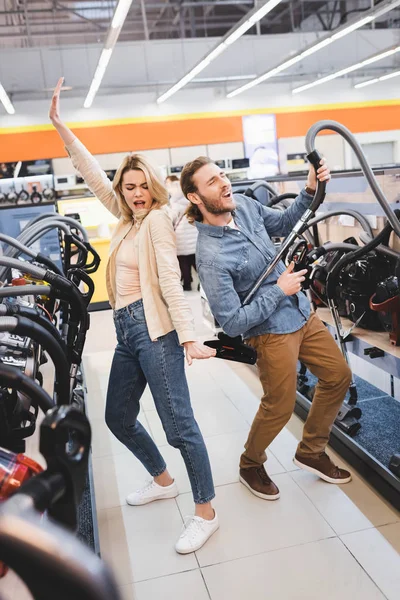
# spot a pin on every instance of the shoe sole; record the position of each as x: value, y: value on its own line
x: 198, y: 545
x: 166, y: 497
x: 259, y: 494
x: 321, y: 475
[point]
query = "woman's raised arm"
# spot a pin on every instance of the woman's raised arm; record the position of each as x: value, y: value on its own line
x: 83, y: 161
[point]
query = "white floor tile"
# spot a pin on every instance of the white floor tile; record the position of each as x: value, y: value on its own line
x: 174, y: 587
x: 96, y: 402
x: 319, y: 570
x: 250, y: 525
x: 114, y: 547
x: 139, y: 541
x: 378, y: 552
x: 285, y: 549
x: 239, y: 392
x: 116, y: 476
x: 284, y: 448
x: 347, y: 508
x: 127, y: 592
x: 102, y: 332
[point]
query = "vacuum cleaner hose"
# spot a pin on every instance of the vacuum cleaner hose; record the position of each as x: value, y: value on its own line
x: 351, y: 140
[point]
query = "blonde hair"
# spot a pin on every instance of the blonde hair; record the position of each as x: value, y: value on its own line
x: 158, y: 191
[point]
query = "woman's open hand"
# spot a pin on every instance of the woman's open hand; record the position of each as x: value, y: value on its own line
x: 197, y: 350
x: 54, y: 112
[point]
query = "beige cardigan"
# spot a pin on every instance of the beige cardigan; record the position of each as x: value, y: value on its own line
x: 165, y: 306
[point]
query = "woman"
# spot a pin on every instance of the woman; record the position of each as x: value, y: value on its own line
x: 185, y: 232
x: 153, y: 321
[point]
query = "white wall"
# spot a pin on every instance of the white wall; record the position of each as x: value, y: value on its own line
x: 336, y: 150
x: 163, y: 157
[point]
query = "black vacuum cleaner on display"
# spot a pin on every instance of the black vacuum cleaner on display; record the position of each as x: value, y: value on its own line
x: 44, y: 315
x: 345, y: 275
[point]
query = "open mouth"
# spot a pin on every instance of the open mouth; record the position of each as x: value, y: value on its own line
x: 139, y: 204
x: 227, y: 195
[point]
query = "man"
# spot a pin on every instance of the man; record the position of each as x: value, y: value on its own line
x: 234, y: 247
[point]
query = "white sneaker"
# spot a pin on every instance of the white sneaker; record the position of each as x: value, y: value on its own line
x: 151, y: 492
x: 195, y: 533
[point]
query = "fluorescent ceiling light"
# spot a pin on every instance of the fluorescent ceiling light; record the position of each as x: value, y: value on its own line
x: 6, y: 102
x: 98, y: 76
x: 315, y: 47
x: 231, y: 37
x: 117, y: 23
x: 359, y: 65
x: 377, y: 79
x: 121, y: 13
x: 263, y: 10
x: 223, y: 78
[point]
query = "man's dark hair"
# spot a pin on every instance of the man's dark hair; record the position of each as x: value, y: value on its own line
x: 188, y: 187
x: 172, y: 178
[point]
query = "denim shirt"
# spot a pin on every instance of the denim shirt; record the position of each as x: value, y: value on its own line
x: 229, y: 262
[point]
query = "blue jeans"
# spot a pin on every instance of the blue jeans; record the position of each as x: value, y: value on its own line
x: 137, y: 362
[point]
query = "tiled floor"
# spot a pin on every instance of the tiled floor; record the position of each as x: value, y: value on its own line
x: 317, y: 541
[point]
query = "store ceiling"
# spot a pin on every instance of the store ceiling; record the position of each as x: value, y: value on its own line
x: 38, y: 23
x: 41, y: 39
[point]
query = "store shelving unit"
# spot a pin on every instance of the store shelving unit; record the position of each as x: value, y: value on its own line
x: 377, y: 474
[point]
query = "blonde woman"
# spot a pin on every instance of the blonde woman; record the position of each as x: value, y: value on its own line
x: 153, y: 324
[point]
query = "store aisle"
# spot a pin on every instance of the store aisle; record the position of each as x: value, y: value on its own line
x: 317, y: 541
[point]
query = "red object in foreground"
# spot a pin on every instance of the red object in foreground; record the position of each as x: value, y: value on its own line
x: 14, y: 470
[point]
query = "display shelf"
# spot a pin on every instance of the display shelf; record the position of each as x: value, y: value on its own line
x: 361, y: 339
x: 377, y: 474
x: 92, y: 494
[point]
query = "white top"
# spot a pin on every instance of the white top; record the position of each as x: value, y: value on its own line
x: 232, y: 224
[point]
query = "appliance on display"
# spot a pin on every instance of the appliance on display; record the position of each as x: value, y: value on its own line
x: 222, y: 164
x: 36, y: 197
x: 23, y: 182
x: 386, y: 301
x: 64, y: 182
x: 240, y: 163
x: 14, y: 218
x: 260, y: 145
x: 175, y: 169
x: 32, y: 168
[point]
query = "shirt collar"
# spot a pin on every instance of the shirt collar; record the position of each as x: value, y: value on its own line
x: 214, y: 230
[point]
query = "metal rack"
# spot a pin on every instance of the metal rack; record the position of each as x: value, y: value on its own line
x: 377, y: 474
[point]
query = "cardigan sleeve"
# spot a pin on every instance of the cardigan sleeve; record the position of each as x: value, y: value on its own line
x: 169, y: 275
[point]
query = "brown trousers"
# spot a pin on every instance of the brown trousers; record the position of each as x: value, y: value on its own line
x: 277, y: 365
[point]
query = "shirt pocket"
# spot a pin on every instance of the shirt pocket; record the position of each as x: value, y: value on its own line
x: 242, y: 259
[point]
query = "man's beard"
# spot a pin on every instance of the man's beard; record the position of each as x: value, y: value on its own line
x: 214, y: 209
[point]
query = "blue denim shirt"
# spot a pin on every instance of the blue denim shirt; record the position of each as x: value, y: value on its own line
x: 229, y: 262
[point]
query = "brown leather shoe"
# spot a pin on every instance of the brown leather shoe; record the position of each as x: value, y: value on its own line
x: 323, y: 467
x: 258, y: 482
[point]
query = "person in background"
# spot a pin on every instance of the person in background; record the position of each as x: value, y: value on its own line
x: 186, y: 233
x: 154, y: 327
x: 234, y: 247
